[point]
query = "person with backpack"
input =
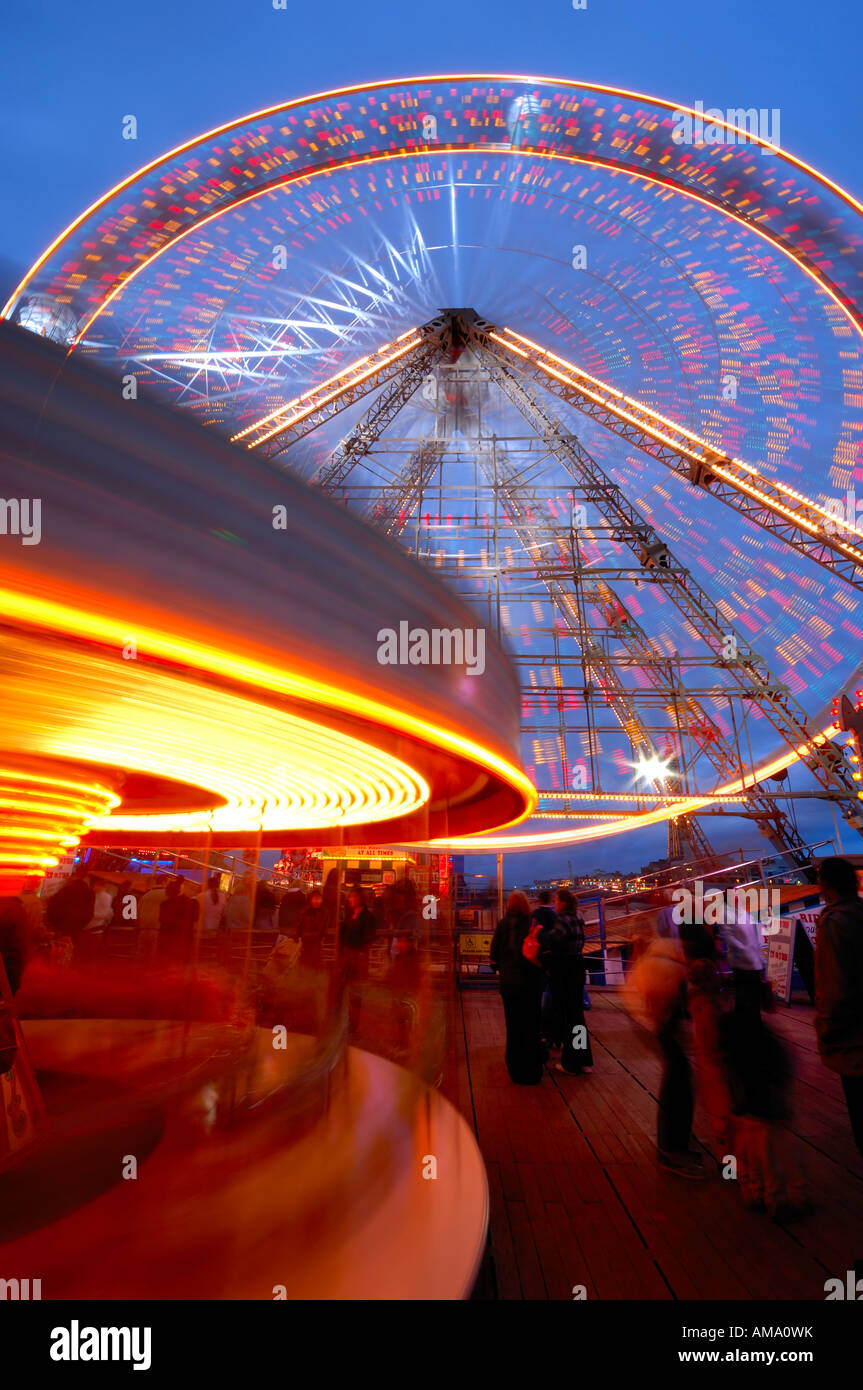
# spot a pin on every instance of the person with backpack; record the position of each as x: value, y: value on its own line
x: 521, y: 986
x: 562, y: 957
x: 543, y: 913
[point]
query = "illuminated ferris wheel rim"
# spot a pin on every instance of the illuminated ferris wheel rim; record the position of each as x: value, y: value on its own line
x: 845, y: 301
x: 305, y: 174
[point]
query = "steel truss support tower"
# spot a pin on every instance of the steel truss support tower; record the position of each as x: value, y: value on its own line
x: 517, y: 368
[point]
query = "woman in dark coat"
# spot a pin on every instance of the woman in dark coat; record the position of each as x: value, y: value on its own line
x: 310, y: 929
x: 521, y: 987
x: 358, y: 932
x: 562, y: 955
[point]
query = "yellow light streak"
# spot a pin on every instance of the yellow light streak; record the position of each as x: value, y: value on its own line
x: 216, y: 740
x: 330, y: 381
x: 495, y: 843
x: 710, y: 459
x: 325, y: 399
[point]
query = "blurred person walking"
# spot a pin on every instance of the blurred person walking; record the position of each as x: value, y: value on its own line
x: 34, y: 909
x: 212, y: 906
x: 758, y: 1075
x: 358, y: 933
x: 310, y: 927
x: 839, y: 984
x: 562, y: 956
x: 148, y: 915
x: 655, y: 994
x: 70, y: 909
x: 177, y: 917
x: 701, y: 949
x: 521, y: 986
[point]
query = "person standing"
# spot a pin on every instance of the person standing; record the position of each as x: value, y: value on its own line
x: 148, y: 915
x: 310, y: 929
x: 291, y: 906
x: 562, y: 955
x: 70, y: 909
x: 839, y: 984
x: 521, y: 987
x: 552, y: 1029
x: 265, y: 908
x: 701, y: 950
x: 34, y: 909
x: 177, y: 916
x: 743, y: 937
x: 212, y: 906
x: 103, y: 906
x: 358, y: 933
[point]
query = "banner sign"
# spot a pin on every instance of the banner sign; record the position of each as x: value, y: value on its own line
x: 780, y: 958
x: 474, y: 945
x: 808, y: 921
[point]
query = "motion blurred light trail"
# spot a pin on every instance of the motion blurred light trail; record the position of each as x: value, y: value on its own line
x: 717, y: 319
x: 181, y: 675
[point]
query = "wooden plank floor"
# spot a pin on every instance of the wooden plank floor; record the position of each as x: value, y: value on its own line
x: 577, y: 1197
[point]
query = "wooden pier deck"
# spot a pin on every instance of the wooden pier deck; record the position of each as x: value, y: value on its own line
x: 577, y: 1197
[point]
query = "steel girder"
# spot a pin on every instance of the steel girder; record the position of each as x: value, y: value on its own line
x: 789, y: 516
x: 823, y: 758
x: 534, y: 533
x: 407, y: 360
x: 383, y: 410
x: 794, y: 519
x: 398, y: 498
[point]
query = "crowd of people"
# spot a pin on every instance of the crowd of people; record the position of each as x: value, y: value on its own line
x: 539, y: 958
x: 700, y: 990
x: 165, y: 917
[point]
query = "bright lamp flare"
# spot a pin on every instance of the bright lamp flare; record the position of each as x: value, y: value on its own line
x: 652, y: 769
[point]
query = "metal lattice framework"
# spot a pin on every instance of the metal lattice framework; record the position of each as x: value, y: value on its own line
x: 796, y: 520
x: 554, y: 554
x: 747, y: 667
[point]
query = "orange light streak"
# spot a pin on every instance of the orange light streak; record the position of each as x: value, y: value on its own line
x: 424, y: 151
x: 374, y: 785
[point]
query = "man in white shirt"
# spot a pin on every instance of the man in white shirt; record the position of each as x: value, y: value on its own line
x: 148, y: 916
x: 103, y: 907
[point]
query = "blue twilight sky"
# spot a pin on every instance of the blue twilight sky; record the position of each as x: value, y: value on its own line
x: 72, y: 72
